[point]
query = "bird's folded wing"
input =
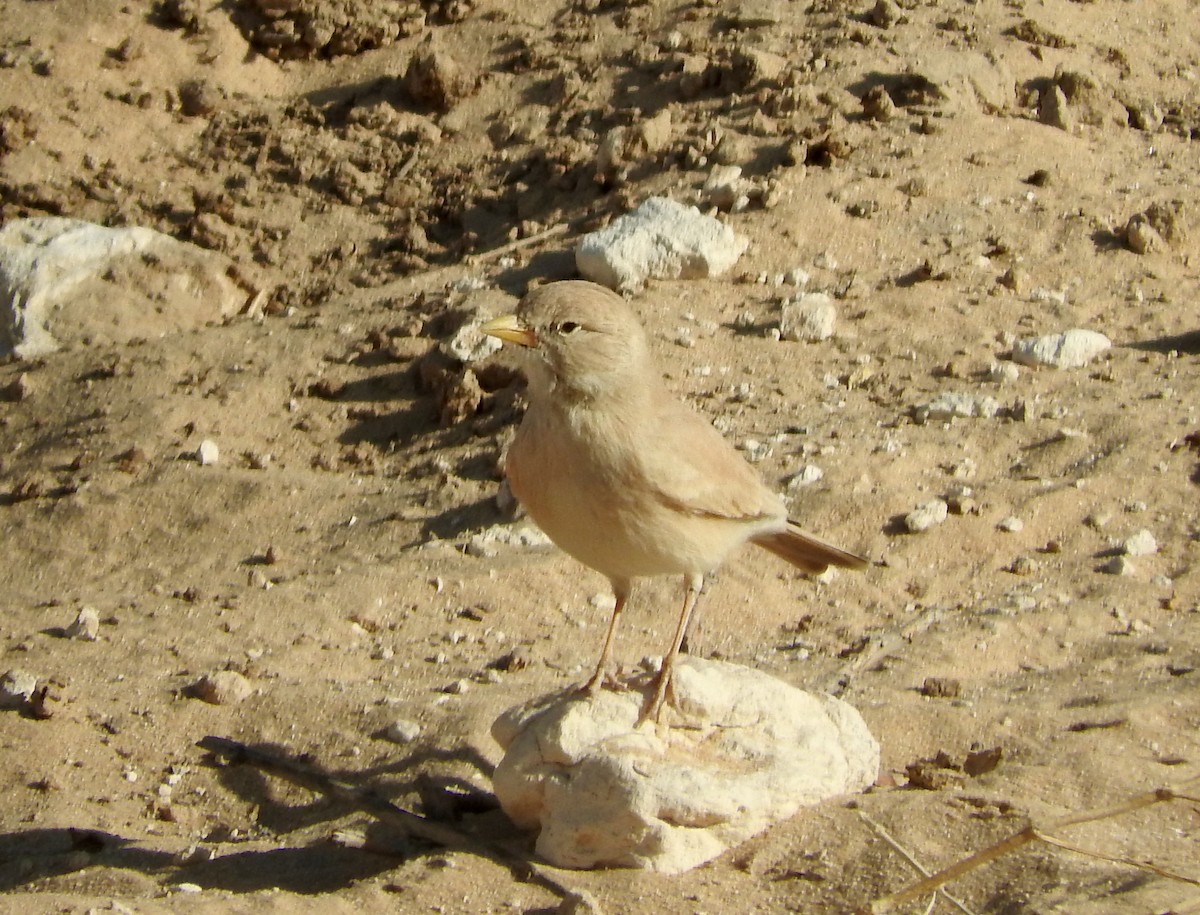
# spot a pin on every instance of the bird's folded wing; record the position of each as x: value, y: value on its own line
x: 696, y: 471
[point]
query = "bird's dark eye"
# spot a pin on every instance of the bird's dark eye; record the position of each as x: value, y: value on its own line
x: 569, y: 327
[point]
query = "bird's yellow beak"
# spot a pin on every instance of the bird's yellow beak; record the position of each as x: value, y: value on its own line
x: 510, y: 330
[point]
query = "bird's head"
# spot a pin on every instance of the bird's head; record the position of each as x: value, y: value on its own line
x: 583, y: 341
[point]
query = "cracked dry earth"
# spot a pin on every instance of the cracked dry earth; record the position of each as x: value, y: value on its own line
x: 956, y: 176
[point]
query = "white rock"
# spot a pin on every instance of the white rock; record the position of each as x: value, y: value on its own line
x: 808, y: 318
x: 483, y: 545
x: 402, y: 731
x: 86, y: 626
x: 67, y: 281
x: 468, y: 345
x: 208, y: 453
x: 755, y: 451
x: 743, y: 750
x: 1140, y: 544
x: 805, y: 476
x: 725, y: 188
x: 1011, y: 525
x: 457, y: 687
x: 660, y: 239
x: 16, y: 688
x: 1003, y: 372
x: 1077, y: 347
x: 926, y: 515
x: 225, y: 687
x: 948, y: 405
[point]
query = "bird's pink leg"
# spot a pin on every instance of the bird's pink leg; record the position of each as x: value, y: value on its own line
x: 596, y: 683
x: 662, y: 684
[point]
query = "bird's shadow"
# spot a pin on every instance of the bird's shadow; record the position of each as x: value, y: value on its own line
x: 34, y: 855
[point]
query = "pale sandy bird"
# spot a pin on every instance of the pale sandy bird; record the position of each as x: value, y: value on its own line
x: 622, y: 475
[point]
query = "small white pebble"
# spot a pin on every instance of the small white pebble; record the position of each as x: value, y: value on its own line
x: 755, y: 450
x: 1140, y: 544
x: 208, y: 453
x: 926, y: 515
x: 402, y: 731
x: 1011, y: 525
x: 806, y: 476
x: 86, y: 627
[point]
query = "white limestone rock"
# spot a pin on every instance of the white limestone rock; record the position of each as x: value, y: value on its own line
x: 661, y: 239
x: 86, y: 626
x: 223, y: 687
x: 808, y: 318
x: 208, y: 453
x: 926, y: 515
x: 1140, y: 544
x: 737, y: 751
x: 469, y: 344
x: 951, y: 404
x: 67, y: 281
x: 1071, y: 350
x: 16, y: 688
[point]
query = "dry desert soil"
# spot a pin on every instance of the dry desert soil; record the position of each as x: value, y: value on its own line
x: 956, y: 176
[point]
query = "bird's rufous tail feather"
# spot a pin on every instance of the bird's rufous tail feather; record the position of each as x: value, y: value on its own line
x: 807, y: 552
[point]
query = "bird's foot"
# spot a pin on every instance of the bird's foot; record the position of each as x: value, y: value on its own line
x: 601, y: 679
x: 662, y: 695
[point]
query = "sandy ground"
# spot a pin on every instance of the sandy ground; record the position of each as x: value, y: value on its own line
x: 910, y: 159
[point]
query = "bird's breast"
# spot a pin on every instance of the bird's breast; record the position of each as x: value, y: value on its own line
x: 582, y: 482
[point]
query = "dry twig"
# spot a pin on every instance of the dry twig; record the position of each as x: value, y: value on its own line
x: 1032, y: 833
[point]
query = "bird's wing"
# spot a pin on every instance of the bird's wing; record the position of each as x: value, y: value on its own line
x: 698, y: 472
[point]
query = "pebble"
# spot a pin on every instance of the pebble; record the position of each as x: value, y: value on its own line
x: 402, y: 731
x: 878, y: 105
x: 1140, y: 544
x: 435, y: 78
x: 949, y: 405
x: 962, y: 501
x: 1141, y: 237
x: 1011, y: 525
x: 926, y: 515
x: 86, y: 626
x: 755, y: 450
x: 208, y: 453
x: 18, y: 389
x: 225, y: 687
x: 726, y: 189
x: 1003, y: 372
x: 1023, y: 565
x: 16, y: 688
x: 1118, y: 565
x: 457, y: 688
x: 885, y: 14
x: 469, y: 345
x: 941, y: 688
x: 484, y: 544
x: 1054, y: 110
x: 805, y: 476
x: 808, y: 318
x: 1072, y: 349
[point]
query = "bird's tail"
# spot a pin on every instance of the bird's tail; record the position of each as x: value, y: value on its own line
x: 807, y: 552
